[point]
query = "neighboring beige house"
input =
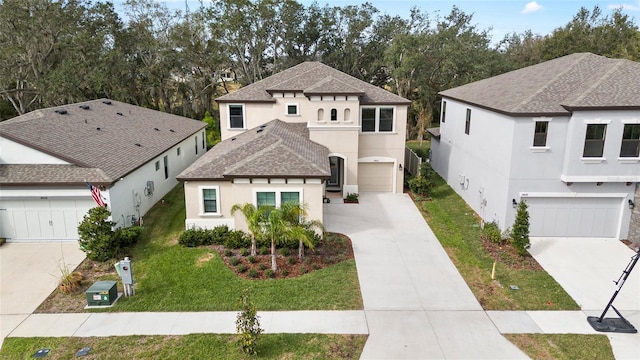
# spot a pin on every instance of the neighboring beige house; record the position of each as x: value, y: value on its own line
x: 296, y: 135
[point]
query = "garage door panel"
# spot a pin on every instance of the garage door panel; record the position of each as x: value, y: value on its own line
x: 375, y: 177
x: 574, y: 217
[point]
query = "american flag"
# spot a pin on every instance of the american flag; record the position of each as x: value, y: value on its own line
x: 95, y: 194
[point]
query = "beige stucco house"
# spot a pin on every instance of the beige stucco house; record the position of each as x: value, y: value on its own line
x: 295, y: 136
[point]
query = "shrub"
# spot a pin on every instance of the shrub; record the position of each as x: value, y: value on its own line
x: 97, y: 239
x: 291, y: 260
x: 248, y: 325
x: 315, y: 267
x: 218, y: 234
x: 252, y: 259
x: 352, y: 197
x: 283, y: 251
x: 241, y: 268
x: 270, y: 273
x: 236, y: 239
x: 520, y: 231
x: 194, y: 237
x: 253, y: 273
x: 284, y: 272
x: 493, y: 233
x: 303, y: 270
x: 262, y: 266
x: 128, y: 236
x: 263, y: 250
x: 69, y: 281
x: 244, y: 252
x: 423, y: 183
x: 227, y: 252
x: 234, y: 261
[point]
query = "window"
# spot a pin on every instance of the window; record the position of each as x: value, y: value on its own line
x: 334, y: 115
x: 266, y: 199
x: 196, y: 145
x: 540, y: 133
x: 467, y: 123
x: 236, y: 116
x: 292, y: 109
x: 289, y: 196
x: 594, y: 140
x: 203, y: 140
x: 630, y: 141
x: 178, y: 151
x: 157, y: 165
x: 377, y: 119
x: 166, y: 167
x: 444, y: 111
x: 210, y: 201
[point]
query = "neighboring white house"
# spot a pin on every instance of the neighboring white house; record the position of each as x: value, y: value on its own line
x: 333, y: 133
x: 48, y: 156
x: 563, y: 135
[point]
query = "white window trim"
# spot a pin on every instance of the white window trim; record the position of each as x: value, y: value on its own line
x: 201, y: 201
x: 629, y: 160
x: 377, y: 119
x: 244, y: 117
x: 278, y: 192
x: 286, y: 109
x: 545, y: 148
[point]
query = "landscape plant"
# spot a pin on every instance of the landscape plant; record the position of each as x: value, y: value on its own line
x: 255, y: 217
x: 424, y: 181
x: 248, y: 324
x: 520, y: 230
x: 96, y: 237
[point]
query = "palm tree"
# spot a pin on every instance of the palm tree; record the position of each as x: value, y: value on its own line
x: 255, y: 217
x: 295, y: 214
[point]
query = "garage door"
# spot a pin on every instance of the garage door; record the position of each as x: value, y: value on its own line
x: 42, y: 219
x: 574, y: 217
x: 375, y: 176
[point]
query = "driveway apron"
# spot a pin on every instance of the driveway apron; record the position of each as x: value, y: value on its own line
x: 416, y: 303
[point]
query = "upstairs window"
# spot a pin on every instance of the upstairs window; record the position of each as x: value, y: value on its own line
x: 467, y: 123
x: 377, y: 119
x: 540, y: 133
x: 444, y: 111
x: 630, y: 141
x: 334, y: 115
x: 178, y: 152
x: 594, y: 140
x: 292, y: 109
x: 236, y: 116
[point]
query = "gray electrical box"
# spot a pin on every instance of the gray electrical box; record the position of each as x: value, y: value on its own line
x: 102, y: 293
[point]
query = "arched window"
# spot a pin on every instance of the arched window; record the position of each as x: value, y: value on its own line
x: 320, y: 114
x: 334, y: 114
x: 347, y: 114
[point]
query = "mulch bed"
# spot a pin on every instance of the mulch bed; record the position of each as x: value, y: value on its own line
x: 507, y: 255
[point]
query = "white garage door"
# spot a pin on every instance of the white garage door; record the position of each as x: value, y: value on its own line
x: 375, y: 176
x: 42, y: 219
x: 574, y: 217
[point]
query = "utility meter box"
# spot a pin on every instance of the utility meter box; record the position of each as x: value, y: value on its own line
x: 102, y: 293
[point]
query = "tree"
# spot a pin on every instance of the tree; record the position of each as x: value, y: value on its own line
x: 520, y: 230
x: 213, y: 129
x: 97, y: 238
x: 295, y: 214
x: 256, y: 217
x: 248, y: 324
x: 423, y: 183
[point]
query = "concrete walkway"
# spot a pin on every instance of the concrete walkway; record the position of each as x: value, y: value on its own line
x: 416, y: 305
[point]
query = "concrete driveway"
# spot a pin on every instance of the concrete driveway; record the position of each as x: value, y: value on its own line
x: 29, y: 272
x: 416, y: 303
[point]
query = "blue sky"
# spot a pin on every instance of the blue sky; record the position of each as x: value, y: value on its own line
x: 503, y: 16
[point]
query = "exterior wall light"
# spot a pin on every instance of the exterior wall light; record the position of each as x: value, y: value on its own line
x: 631, y: 204
x: 514, y: 203
x: 399, y: 167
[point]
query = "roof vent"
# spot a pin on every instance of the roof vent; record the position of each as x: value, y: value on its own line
x: 61, y: 111
x: 171, y: 130
x: 98, y: 129
x: 138, y: 145
x: 233, y: 139
x: 119, y: 113
x: 106, y: 102
x: 260, y: 130
x: 85, y: 121
x: 156, y: 129
x: 84, y: 107
x: 263, y: 126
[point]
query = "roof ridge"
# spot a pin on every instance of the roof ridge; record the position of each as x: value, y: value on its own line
x: 604, y: 77
x: 548, y: 84
x: 252, y: 156
x: 314, y: 63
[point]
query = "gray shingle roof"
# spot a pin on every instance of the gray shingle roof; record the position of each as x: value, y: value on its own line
x: 44, y: 174
x: 275, y: 149
x: 556, y: 87
x: 312, y: 78
x: 99, y: 134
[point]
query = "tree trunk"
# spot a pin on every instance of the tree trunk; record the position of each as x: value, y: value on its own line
x: 253, y: 246
x: 274, y: 265
x: 300, y: 251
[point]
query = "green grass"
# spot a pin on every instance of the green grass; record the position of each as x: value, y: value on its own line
x: 170, y: 277
x: 456, y: 226
x: 421, y: 148
x: 197, y: 346
x: 563, y: 346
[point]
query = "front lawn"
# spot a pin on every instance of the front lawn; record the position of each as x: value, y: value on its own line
x: 196, y: 346
x: 457, y: 228
x: 563, y: 346
x: 170, y: 277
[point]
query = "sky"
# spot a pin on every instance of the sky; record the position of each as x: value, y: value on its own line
x: 502, y: 16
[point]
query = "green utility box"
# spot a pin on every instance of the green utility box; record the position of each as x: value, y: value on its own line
x: 102, y: 293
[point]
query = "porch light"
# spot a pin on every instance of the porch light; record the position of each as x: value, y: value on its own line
x: 514, y: 203
x: 631, y: 204
x: 399, y: 167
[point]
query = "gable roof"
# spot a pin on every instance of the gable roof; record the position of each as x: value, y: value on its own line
x: 313, y: 78
x: 557, y: 87
x: 275, y: 149
x: 103, y: 140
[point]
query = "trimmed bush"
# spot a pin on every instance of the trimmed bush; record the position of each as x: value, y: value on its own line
x: 234, y: 261
x: 270, y: 273
x: 284, y: 273
x: 241, y: 268
x: 128, y: 236
x: 253, y: 273
x: 193, y: 237
x: 263, y: 250
x: 97, y: 239
x: 236, y: 239
x: 252, y: 259
x: 493, y: 233
x: 283, y: 251
x: 262, y: 266
x: 244, y: 252
x: 520, y: 231
x: 291, y: 260
x: 227, y: 252
x: 218, y: 234
x: 303, y: 270
x: 315, y: 267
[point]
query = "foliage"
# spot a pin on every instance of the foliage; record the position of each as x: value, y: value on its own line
x: 563, y: 346
x: 493, y: 233
x: 213, y: 129
x: 128, y: 236
x: 352, y: 197
x: 255, y: 218
x: 520, y: 230
x: 236, y: 239
x: 69, y: 281
x: 193, y: 237
x: 423, y: 183
x: 96, y: 237
x: 248, y: 325
x: 220, y: 235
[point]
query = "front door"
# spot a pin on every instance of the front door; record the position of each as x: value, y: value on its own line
x: 335, y: 181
